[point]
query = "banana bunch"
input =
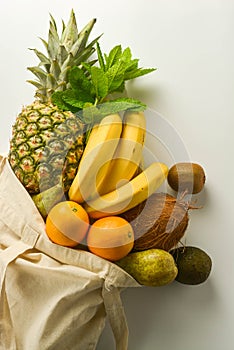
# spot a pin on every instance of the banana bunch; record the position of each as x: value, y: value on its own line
x: 102, y: 143
x: 108, y: 181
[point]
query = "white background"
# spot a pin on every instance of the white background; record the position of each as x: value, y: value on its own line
x: 191, y: 43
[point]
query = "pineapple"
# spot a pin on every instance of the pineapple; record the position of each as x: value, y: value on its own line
x: 47, y: 143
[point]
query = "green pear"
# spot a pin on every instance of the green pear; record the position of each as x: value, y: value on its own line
x: 152, y: 267
x: 45, y: 200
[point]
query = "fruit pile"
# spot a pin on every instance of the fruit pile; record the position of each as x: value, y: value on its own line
x: 78, y: 151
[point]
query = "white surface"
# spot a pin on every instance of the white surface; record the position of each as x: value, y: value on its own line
x: 191, y: 43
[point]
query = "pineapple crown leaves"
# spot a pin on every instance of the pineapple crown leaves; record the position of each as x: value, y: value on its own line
x: 91, y: 85
x: 63, y: 52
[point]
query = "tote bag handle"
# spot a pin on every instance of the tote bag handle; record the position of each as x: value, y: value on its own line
x: 2, y: 158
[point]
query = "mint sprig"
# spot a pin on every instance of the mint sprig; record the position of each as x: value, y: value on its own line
x: 91, y: 85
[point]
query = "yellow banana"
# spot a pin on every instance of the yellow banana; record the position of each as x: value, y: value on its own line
x: 128, y: 154
x: 129, y: 195
x: 92, y: 141
x: 101, y: 146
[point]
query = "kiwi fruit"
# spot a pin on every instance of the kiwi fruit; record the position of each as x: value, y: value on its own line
x: 189, y: 177
x: 194, y: 265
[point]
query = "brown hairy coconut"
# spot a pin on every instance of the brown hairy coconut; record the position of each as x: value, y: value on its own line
x: 159, y: 222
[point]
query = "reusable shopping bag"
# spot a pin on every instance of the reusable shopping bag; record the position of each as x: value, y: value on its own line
x: 52, y: 297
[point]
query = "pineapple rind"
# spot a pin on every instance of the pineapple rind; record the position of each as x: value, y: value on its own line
x: 41, y: 158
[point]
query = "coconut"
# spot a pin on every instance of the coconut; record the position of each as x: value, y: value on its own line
x: 159, y: 222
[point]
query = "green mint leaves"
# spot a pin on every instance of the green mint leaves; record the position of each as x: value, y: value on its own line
x: 91, y: 85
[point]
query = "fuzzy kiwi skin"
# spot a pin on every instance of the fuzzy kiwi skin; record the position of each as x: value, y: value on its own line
x: 194, y: 265
x: 188, y: 177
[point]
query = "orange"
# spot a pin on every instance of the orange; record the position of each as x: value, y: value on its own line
x: 111, y: 238
x: 67, y: 223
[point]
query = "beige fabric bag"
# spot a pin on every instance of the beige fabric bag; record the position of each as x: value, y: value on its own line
x: 51, y: 297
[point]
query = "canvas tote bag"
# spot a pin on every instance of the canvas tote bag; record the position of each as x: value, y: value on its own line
x: 51, y: 297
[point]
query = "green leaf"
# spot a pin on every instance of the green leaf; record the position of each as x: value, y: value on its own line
x: 135, y: 73
x: 120, y: 105
x: 132, y: 65
x: 100, y: 82
x: 127, y: 55
x: 121, y: 88
x: 75, y: 98
x: 78, y: 80
x: 57, y: 99
x: 90, y: 114
x: 90, y: 84
x: 115, y: 77
x: 87, y: 66
x: 100, y: 58
x: 114, y: 56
